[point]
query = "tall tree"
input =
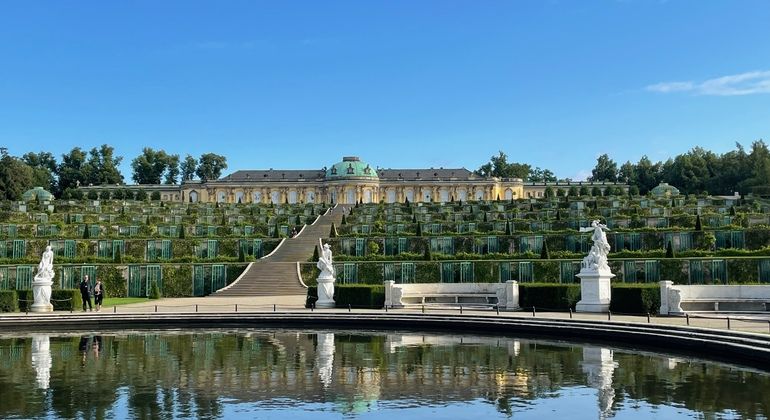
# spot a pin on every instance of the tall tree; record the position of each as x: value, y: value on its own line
x: 627, y: 173
x: 44, y: 169
x: 148, y: 167
x: 103, y: 166
x: 15, y: 176
x: 648, y: 175
x: 73, y: 170
x: 541, y: 175
x: 499, y: 167
x: 172, y: 169
x: 210, y: 166
x: 605, y: 170
x: 188, y: 166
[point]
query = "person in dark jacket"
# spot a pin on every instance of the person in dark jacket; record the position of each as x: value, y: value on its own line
x: 85, y: 293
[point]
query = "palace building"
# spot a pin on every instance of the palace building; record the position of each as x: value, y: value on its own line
x: 351, y: 181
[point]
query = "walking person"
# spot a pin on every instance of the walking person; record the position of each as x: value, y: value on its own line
x: 98, y: 294
x: 85, y: 293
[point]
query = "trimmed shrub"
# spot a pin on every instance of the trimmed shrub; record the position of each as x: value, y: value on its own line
x: 66, y: 300
x: 154, y: 291
x: 177, y: 281
x: 9, y: 301
x: 25, y: 299
x: 548, y: 296
x: 359, y: 296
x: 112, y: 280
x: 635, y: 298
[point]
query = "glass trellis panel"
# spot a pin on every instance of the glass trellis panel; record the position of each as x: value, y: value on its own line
x: 135, y: 281
x: 407, y: 272
x: 212, y: 248
x: 498, y: 226
x: 506, y: 273
x: 629, y: 271
x: 764, y: 271
x: 348, y: 246
x: 104, y: 249
x: 211, y: 231
x: 19, y: 248
x: 68, y: 279
x: 525, y: 272
x: 389, y: 271
x: 350, y: 273
x: 718, y: 272
x: 248, y: 230
x: 492, y: 244
x: 696, y: 272
x: 3, y: 249
x: 90, y: 271
x: 402, y: 245
x: 94, y: 230
x: 199, y: 280
x: 218, y: 277
x: 366, y: 229
x: 154, y: 275
x: 5, y: 282
x: 471, y: 227
x: 360, y: 247
x: 566, y: 272
x: 651, y: 271
x: 434, y: 228
x: 531, y: 243
x: 23, y: 277
x: 118, y: 245
x: 284, y: 230
x: 447, y: 272
x: 466, y: 272
x: 577, y: 243
x: 257, y: 249
x: 390, y: 246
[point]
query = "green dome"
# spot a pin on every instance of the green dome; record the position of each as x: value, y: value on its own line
x: 665, y: 190
x: 351, y: 167
x: 37, y: 193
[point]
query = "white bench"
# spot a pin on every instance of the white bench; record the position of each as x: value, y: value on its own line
x: 504, y: 295
x: 680, y: 299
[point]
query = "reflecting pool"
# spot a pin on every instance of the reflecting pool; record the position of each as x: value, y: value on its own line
x: 359, y: 374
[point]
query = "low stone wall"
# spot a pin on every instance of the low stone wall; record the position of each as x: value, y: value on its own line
x: 680, y: 299
x: 503, y: 295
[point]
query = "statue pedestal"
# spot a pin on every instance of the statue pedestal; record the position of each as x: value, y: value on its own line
x: 41, y: 290
x: 325, y: 292
x: 595, y: 292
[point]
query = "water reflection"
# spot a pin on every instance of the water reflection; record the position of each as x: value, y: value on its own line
x: 261, y: 373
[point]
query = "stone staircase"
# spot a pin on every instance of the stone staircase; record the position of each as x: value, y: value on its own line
x: 276, y: 275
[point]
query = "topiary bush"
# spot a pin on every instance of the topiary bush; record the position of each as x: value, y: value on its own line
x: 66, y: 299
x: 359, y: 296
x: 154, y: 291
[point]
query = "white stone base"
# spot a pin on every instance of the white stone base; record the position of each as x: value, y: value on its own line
x: 41, y: 307
x: 325, y: 293
x: 41, y: 292
x: 595, y: 292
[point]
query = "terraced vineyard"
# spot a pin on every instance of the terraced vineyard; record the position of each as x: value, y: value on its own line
x: 187, y: 249
x: 697, y: 240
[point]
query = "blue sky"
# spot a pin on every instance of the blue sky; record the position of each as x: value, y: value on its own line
x: 400, y: 83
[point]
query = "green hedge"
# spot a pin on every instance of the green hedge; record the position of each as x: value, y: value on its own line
x: 9, y: 301
x: 25, y: 299
x: 635, y: 298
x: 357, y: 296
x: 66, y: 300
x: 548, y: 296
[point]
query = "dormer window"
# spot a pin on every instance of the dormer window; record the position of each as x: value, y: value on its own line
x: 350, y: 169
x: 334, y: 170
x: 367, y: 170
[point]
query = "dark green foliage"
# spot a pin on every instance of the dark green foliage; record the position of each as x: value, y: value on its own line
x: 508, y: 231
x: 315, y: 254
x: 344, y: 221
x: 154, y: 291
x: 155, y: 196
x: 118, y: 256
x: 92, y: 195
x: 333, y: 231
x: 9, y: 301
x: 635, y: 298
x: 112, y: 280
x: 241, y: 254
x: 698, y: 226
x: 66, y: 300
x: 732, y: 210
x: 104, y: 195
x: 181, y: 231
x: 86, y: 233
x: 544, y: 251
x: 25, y: 299
x: 427, y: 256
x: 419, y: 230
x: 547, y: 296
x: 669, y: 250
x: 177, y: 281
x: 141, y: 195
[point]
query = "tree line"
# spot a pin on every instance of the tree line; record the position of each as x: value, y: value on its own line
x: 695, y: 172
x: 99, y: 166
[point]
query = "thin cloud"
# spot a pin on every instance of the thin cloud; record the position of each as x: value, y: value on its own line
x: 748, y: 83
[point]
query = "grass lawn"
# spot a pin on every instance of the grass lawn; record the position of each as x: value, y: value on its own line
x: 115, y: 301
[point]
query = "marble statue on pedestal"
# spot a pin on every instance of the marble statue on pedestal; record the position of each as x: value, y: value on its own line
x: 595, y: 273
x: 41, y: 285
x: 325, y: 279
